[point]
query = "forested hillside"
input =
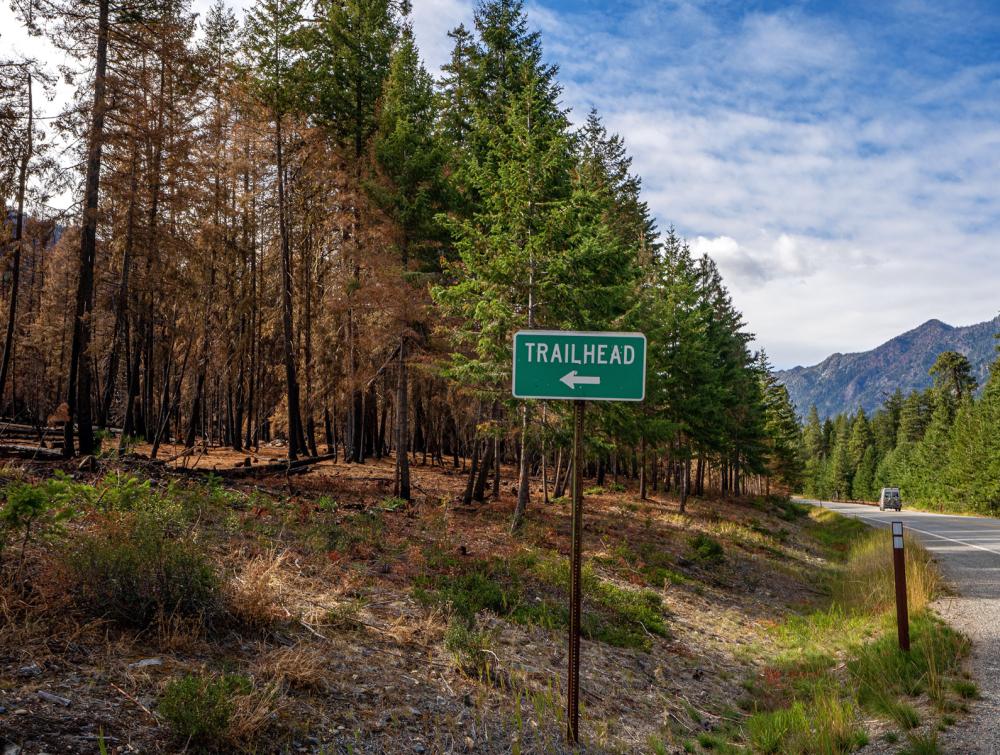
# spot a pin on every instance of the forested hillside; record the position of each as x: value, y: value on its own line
x: 849, y: 382
x: 940, y: 446
x: 288, y: 231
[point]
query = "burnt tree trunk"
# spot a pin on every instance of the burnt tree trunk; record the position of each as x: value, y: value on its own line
x: 473, y: 474
x: 331, y: 446
x: 15, y: 274
x: 402, y: 428
x: 296, y: 440
x: 479, y: 492
x: 78, y: 393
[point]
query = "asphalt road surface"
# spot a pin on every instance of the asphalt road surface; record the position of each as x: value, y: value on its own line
x: 967, y: 548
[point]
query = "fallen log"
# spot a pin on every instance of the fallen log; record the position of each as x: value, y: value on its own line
x: 298, y: 466
x: 32, y: 453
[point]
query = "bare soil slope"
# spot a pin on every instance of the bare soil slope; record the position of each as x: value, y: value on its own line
x: 346, y: 611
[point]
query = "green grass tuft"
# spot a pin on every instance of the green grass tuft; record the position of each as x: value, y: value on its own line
x: 921, y: 744
x: 533, y: 589
x: 199, y: 708
x: 825, y: 724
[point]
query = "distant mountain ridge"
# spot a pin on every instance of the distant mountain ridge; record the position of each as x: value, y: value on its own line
x: 847, y: 382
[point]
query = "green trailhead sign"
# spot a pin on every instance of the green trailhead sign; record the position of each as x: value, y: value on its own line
x: 558, y: 364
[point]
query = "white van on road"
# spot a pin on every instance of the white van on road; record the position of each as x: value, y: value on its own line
x: 889, y: 499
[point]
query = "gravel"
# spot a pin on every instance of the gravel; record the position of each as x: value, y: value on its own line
x: 976, y: 612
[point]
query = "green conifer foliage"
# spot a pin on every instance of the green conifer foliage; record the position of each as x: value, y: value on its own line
x: 940, y: 446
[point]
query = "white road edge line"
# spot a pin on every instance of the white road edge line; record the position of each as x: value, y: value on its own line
x: 934, y: 534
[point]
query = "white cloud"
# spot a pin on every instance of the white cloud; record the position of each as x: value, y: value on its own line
x: 432, y: 20
x: 783, y: 44
x: 846, y: 199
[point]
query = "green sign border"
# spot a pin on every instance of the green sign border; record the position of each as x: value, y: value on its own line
x: 577, y: 333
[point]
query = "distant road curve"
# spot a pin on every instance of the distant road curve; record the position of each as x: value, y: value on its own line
x: 968, y: 551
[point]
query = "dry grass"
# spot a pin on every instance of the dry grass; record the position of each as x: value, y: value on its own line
x: 254, y: 593
x: 252, y: 714
x: 37, y: 609
x: 868, y: 583
x: 303, y: 666
x: 179, y: 634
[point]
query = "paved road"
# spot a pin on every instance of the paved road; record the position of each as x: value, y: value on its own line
x: 968, y: 551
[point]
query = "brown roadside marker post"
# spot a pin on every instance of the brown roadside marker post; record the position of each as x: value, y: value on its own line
x: 899, y: 567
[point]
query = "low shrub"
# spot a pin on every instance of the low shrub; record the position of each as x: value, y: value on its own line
x: 392, y: 503
x: 621, y: 616
x: 533, y: 589
x: 649, y: 559
x: 136, y: 568
x: 31, y: 511
x: 200, y: 709
x: 787, y: 510
x: 345, y: 617
x: 204, y: 500
x: 326, y: 503
x: 118, y: 492
x: 706, y: 549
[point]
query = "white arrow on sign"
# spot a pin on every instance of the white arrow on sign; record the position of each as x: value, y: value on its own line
x: 573, y: 380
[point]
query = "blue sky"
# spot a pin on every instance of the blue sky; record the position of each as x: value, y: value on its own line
x: 839, y: 160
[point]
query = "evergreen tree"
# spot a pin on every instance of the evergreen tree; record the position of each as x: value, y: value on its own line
x: 350, y: 46
x: 408, y: 184
x: 815, y: 453
x: 813, y: 435
x: 862, y: 440
x: 914, y: 416
x: 841, y: 468
x: 862, y: 437
x: 885, y: 424
x: 863, y: 484
x: 782, y: 430
x: 974, y: 456
x: 953, y: 379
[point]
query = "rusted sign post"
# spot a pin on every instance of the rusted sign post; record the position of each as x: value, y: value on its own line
x: 575, y: 593
x: 899, y: 566
x: 578, y: 367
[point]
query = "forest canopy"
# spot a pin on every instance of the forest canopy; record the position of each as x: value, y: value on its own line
x: 288, y: 231
x: 940, y: 446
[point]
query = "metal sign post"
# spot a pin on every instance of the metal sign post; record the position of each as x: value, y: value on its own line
x: 899, y: 567
x: 578, y: 367
x: 575, y: 596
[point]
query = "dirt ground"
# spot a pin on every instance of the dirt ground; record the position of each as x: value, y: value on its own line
x: 356, y: 661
